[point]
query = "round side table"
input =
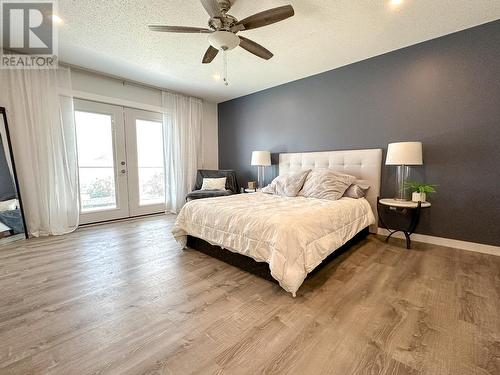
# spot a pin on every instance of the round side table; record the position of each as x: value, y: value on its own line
x: 400, y: 216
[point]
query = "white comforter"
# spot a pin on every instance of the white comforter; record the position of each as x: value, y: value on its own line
x: 293, y: 235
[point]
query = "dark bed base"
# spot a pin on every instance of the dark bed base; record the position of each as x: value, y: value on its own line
x: 261, y: 269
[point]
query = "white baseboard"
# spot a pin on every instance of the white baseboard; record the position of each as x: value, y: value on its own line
x: 448, y: 242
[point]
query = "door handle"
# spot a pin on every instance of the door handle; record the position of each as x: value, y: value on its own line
x: 122, y: 163
x: 123, y: 171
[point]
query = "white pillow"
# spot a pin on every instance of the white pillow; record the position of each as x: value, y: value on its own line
x: 287, y: 185
x: 9, y: 205
x: 214, y: 183
x: 358, y: 189
x: 326, y: 184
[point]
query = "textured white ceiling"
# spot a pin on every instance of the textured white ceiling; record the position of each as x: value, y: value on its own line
x: 111, y: 36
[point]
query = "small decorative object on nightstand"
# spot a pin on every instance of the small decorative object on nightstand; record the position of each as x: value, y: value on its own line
x: 252, y: 187
x: 400, y: 216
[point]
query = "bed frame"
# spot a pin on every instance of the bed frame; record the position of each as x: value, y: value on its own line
x: 261, y: 269
x: 365, y: 165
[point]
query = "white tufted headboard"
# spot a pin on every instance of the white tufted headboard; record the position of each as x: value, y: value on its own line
x: 363, y: 164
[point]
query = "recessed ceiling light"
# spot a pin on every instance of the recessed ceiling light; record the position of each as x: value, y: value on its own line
x: 56, y: 19
x: 216, y: 77
x: 396, y: 2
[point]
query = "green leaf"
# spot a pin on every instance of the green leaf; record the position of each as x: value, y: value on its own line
x: 420, y: 187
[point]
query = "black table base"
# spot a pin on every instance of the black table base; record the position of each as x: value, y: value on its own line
x: 399, y: 219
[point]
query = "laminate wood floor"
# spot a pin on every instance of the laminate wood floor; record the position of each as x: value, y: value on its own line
x: 123, y: 298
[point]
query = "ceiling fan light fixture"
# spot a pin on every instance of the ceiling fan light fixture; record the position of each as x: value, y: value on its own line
x: 223, y: 40
x: 223, y: 27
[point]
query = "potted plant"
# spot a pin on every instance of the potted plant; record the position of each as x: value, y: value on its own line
x: 419, y: 190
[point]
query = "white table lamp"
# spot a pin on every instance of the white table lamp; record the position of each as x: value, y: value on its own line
x: 261, y: 159
x: 403, y: 154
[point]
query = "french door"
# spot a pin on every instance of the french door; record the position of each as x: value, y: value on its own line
x: 121, y: 161
x: 146, y: 166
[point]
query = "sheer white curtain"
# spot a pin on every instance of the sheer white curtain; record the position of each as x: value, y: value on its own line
x: 41, y: 118
x: 182, y: 122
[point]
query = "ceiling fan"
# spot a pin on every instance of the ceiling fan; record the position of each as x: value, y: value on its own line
x: 223, y: 27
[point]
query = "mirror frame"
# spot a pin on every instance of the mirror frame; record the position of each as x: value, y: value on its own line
x: 3, y: 112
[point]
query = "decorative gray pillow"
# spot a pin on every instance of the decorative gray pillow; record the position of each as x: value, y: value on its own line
x: 287, y: 185
x: 326, y: 184
x: 357, y: 190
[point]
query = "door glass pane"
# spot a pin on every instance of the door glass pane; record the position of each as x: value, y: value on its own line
x: 94, y: 133
x: 150, y: 162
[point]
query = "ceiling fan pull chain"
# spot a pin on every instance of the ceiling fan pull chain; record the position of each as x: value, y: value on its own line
x: 224, y: 55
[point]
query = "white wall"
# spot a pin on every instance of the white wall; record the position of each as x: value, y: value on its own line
x: 93, y: 86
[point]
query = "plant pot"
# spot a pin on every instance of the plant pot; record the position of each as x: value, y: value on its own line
x: 418, y: 197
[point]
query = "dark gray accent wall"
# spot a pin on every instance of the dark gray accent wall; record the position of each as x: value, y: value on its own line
x: 444, y: 92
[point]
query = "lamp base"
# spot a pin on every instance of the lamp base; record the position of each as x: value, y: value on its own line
x: 402, y: 176
x: 260, y: 177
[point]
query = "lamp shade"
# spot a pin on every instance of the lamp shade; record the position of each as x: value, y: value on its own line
x: 262, y: 158
x: 404, y: 153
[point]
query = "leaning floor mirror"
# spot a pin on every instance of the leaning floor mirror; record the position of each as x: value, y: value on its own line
x: 12, y: 223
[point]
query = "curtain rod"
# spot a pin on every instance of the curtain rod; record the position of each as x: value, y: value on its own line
x: 123, y: 80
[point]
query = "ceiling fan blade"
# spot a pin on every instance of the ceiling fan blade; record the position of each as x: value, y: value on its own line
x: 266, y: 17
x: 255, y: 48
x: 210, y: 55
x: 212, y: 7
x: 179, y: 29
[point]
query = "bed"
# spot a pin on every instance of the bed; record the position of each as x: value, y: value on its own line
x: 292, y: 235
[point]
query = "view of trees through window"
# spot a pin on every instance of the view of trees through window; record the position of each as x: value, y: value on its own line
x: 96, y: 161
x: 97, y: 174
x: 150, y: 161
